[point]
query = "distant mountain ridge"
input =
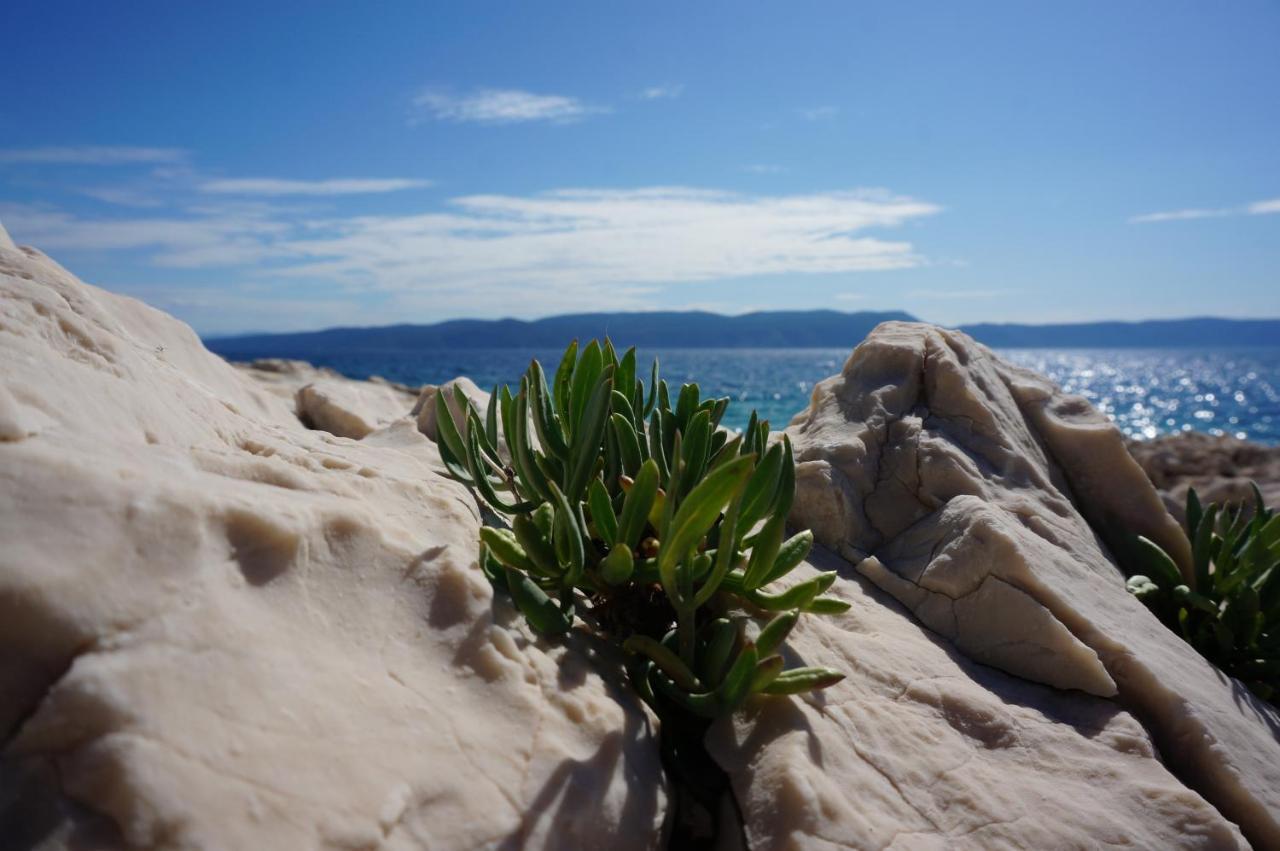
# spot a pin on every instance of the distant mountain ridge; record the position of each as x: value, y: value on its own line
x: 667, y: 329
x: 765, y: 329
x: 1152, y: 333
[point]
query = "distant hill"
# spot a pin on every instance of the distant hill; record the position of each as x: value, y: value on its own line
x: 769, y: 329
x: 690, y: 329
x: 1155, y: 333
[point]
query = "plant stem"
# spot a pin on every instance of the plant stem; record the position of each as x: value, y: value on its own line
x: 684, y: 628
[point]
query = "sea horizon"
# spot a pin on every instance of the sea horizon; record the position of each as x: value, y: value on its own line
x: 1147, y: 392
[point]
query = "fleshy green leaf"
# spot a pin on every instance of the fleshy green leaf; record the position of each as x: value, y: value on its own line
x: 543, y: 614
x: 799, y: 680
x: 776, y: 631
x: 602, y: 515
x: 585, y: 377
x: 637, y: 503
x: 697, y: 514
x: 617, y: 567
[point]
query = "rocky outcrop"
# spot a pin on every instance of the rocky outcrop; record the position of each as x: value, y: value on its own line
x: 920, y: 747
x: 350, y: 408
x: 424, y: 410
x: 1220, y: 468
x: 988, y: 504
x: 222, y: 630
x: 327, y: 401
x: 284, y: 377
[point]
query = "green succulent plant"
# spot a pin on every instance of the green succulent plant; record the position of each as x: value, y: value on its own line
x: 1230, y: 613
x: 646, y: 522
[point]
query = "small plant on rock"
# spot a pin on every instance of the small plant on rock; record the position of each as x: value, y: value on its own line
x: 646, y: 522
x: 1231, y: 612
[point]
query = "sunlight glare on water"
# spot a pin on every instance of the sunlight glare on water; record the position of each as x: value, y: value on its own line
x: 1147, y: 392
x: 1150, y: 392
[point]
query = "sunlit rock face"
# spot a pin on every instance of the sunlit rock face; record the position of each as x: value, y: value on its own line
x: 352, y: 409
x: 220, y: 629
x: 988, y: 503
x: 920, y: 747
x: 327, y: 401
x: 425, y: 408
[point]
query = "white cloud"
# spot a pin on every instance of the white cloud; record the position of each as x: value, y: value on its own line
x: 765, y: 168
x: 337, y: 186
x: 121, y: 196
x: 673, y: 90
x: 229, y: 235
x: 539, y: 254
x: 1257, y: 208
x: 819, y: 113
x: 1178, y: 215
x: 961, y: 294
x: 500, y: 106
x: 90, y: 155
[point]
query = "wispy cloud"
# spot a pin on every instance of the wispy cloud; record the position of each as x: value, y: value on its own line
x: 819, y: 113
x: 338, y: 186
x: 500, y: 106
x: 1257, y: 208
x: 961, y: 294
x: 121, y: 196
x: 1178, y: 216
x: 546, y: 252
x: 765, y: 168
x: 91, y: 155
x: 672, y: 90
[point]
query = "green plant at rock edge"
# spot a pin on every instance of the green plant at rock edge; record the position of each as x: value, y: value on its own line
x: 645, y: 521
x: 1230, y: 613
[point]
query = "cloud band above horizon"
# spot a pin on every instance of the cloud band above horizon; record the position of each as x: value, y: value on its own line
x: 548, y: 251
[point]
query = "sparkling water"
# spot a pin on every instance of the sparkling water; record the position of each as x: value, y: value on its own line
x: 1148, y: 392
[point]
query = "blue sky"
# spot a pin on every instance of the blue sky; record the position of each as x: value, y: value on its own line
x: 274, y: 166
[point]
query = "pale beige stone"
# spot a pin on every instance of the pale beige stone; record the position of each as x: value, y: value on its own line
x: 963, y: 475
x: 425, y: 408
x: 920, y: 747
x: 284, y: 377
x: 1221, y: 469
x: 351, y: 408
x: 222, y: 630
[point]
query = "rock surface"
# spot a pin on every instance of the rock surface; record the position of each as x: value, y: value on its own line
x: 351, y: 408
x: 222, y: 630
x: 1221, y: 469
x: 920, y: 747
x: 330, y: 402
x: 970, y: 481
x: 284, y: 377
x: 424, y: 410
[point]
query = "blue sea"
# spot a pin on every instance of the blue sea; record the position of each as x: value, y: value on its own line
x: 1147, y: 392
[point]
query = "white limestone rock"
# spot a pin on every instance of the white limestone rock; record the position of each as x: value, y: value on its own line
x: 351, y: 408
x: 284, y: 377
x: 979, y: 487
x: 325, y: 400
x: 424, y: 410
x: 920, y: 747
x: 222, y: 630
